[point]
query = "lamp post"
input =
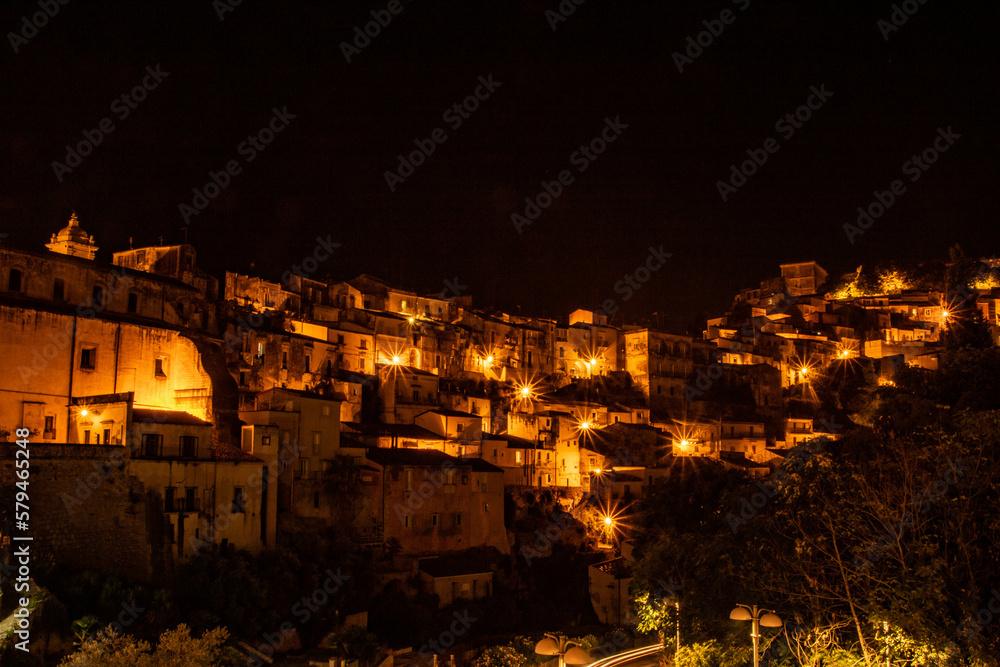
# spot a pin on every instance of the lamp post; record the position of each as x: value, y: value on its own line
x: 569, y: 652
x: 759, y: 619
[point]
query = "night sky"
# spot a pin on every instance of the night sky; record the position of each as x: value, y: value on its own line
x: 656, y: 184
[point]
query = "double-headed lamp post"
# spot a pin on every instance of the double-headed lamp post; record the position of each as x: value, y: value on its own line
x: 760, y: 619
x: 569, y: 652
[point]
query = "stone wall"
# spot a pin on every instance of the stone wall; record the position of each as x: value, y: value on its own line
x: 86, y: 514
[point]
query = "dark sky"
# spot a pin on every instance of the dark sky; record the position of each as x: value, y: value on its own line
x: 655, y: 185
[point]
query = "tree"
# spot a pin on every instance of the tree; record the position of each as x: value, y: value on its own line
x: 176, y: 648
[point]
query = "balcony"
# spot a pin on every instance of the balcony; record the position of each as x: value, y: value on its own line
x: 370, y: 537
x: 181, y: 505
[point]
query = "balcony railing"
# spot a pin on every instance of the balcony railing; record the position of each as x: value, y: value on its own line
x: 371, y: 536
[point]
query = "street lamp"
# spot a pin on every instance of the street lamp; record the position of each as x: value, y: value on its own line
x: 760, y: 619
x: 569, y: 652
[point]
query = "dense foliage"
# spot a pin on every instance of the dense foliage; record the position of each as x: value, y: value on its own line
x: 882, y: 547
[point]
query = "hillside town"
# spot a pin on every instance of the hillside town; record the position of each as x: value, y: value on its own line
x: 173, y: 413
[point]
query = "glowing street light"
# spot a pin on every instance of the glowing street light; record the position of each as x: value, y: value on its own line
x: 395, y: 361
x: 608, y: 521
x: 569, y: 652
x: 489, y: 360
x: 760, y: 619
x: 525, y: 391
x: 84, y: 412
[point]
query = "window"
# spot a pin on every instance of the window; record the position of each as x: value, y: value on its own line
x: 304, y: 468
x: 97, y: 438
x: 460, y: 427
x: 517, y: 456
x: 465, y: 480
x: 308, y: 363
x: 449, y: 476
x: 88, y: 357
x: 190, y: 504
x: 361, y: 365
x: 316, y: 500
x: 562, y: 352
x: 340, y: 338
x: 416, y: 395
x: 133, y: 302
x: 407, y: 521
x: 59, y: 290
x: 284, y: 360
x: 326, y: 410
x: 364, y: 344
x: 159, y: 367
x: 189, y: 445
x: 260, y: 350
x: 317, y: 437
x: 97, y: 297
x: 265, y: 440
x: 168, y: 499
x: 86, y: 436
x: 151, y: 444
x: 239, y: 502
x: 14, y: 283
x: 435, y: 519
x: 403, y: 303
x: 458, y: 520
x: 408, y: 480
x: 107, y: 436
x: 494, y: 454
x: 50, y: 427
